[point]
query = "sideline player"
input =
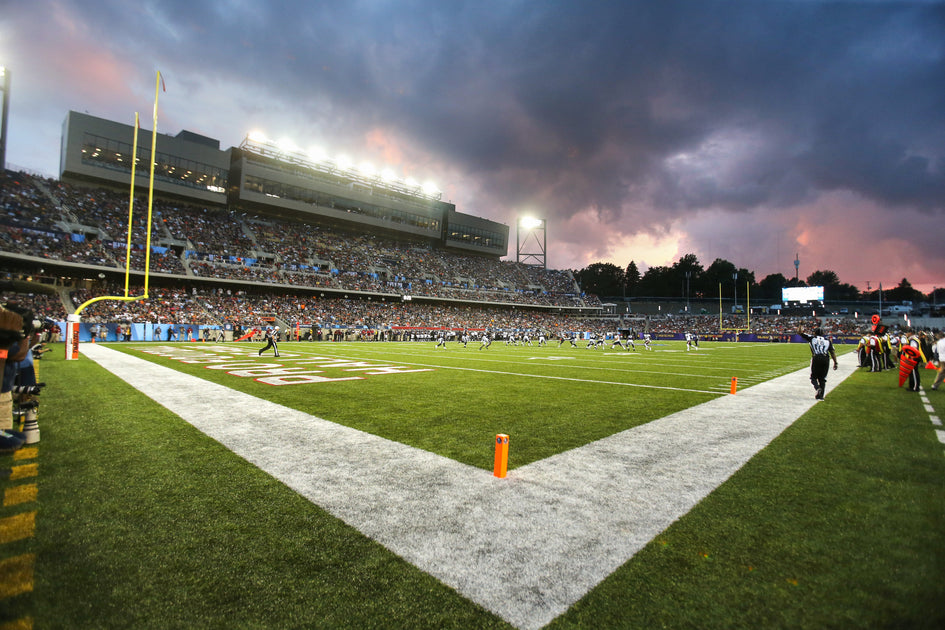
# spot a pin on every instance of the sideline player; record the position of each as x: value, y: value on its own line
x: 821, y: 350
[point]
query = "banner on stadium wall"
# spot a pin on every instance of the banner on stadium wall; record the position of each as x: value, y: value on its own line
x: 139, y: 332
x: 82, y: 332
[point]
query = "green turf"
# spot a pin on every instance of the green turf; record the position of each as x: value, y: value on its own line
x: 837, y: 524
x: 145, y: 523
x: 548, y: 399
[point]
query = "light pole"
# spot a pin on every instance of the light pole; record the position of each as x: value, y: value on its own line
x: 5, y: 81
x: 735, y: 281
x: 688, y: 275
x: 531, y: 242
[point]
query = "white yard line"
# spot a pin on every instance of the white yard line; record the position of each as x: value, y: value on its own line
x: 526, y: 547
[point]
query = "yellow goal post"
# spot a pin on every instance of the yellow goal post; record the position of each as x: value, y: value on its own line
x: 737, y: 328
x: 73, y: 320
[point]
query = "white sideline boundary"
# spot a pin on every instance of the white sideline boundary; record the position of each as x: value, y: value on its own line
x: 526, y: 547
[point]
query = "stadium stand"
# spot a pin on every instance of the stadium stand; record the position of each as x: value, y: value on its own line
x: 58, y: 221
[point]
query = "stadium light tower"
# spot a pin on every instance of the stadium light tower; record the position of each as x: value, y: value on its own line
x: 531, y: 242
x: 5, y: 77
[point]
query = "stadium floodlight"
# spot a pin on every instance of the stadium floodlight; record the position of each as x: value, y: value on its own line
x: 257, y: 136
x: 286, y: 145
x: 344, y: 162
x: 532, y: 242
x: 316, y: 158
x: 530, y: 223
x: 317, y: 154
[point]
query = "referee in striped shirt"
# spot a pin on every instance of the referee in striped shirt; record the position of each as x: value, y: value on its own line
x: 821, y: 350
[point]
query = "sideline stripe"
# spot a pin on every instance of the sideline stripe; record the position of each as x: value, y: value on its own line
x: 23, y: 471
x: 20, y: 494
x: 27, y: 452
x: 16, y: 575
x: 17, y: 527
x: 568, y: 522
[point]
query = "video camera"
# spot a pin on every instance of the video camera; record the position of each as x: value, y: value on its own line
x: 28, y: 390
x: 10, y: 334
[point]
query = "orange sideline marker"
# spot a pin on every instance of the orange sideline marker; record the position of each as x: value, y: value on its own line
x: 501, y: 455
x: 734, y: 384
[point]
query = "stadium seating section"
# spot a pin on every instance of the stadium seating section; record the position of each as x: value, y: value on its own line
x: 48, y: 219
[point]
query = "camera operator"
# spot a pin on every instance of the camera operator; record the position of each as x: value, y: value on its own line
x: 19, y: 375
x: 11, y: 325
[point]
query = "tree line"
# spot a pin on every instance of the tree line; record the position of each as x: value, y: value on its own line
x: 686, y: 278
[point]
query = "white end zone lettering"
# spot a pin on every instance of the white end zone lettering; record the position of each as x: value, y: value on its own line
x: 378, y: 370
x: 248, y: 365
x: 302, y: 379
x: 266, y: 370
x: 243, y: 365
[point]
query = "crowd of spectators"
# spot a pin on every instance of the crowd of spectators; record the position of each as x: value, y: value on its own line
x: 44, y: 305
x: 23, y: 203
x: 162, y: 306
x: 56, y: 220
x: 242, y: 310
x: 766, y: 324
x: 239, y: 308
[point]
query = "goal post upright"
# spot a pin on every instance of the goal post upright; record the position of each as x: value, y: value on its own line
x: 73, y: 319
x: 131, y: 203
x: 747, y: 312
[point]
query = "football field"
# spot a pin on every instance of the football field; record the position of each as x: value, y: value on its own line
x: 454, y: 401
x: 636, y: 481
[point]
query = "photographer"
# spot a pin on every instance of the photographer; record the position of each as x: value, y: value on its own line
x: 11, y: 325
x: 19, y: 376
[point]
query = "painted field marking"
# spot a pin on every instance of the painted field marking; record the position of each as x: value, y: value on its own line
x: 519, y: 374
x: 24, y: 493
x: 23, y: 471
x: 16, y: 576
x: 17, y: 527
x: 27, y: 452
x: 591, y: 367
x: 577, y: 517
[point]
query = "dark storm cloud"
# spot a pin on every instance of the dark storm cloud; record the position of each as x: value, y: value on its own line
x: 589, y: 101
x: 642, y: 113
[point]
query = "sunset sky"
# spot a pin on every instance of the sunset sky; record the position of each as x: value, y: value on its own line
x: 641, y: 130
